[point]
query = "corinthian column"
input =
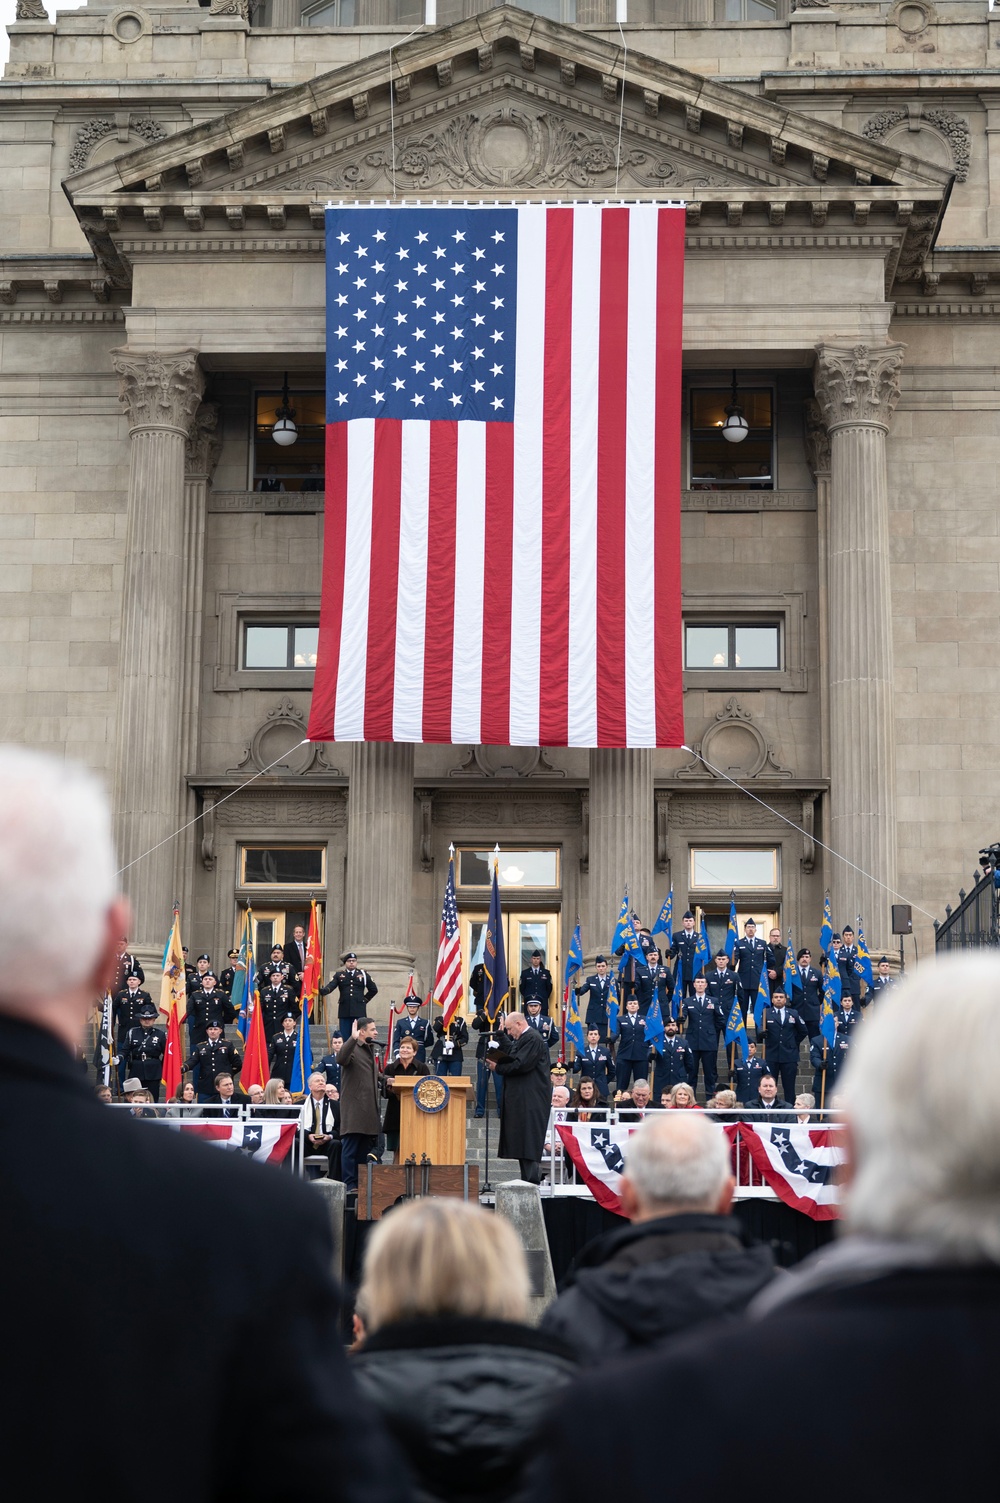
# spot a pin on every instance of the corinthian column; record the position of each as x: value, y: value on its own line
x: 857, y: 389
x: 161, y: 393
x: 621, y: 838
x: 380, y: 864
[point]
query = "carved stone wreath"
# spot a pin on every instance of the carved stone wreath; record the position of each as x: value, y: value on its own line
x: 506, y: 148
x: 954, y: 128
x: 93, y: 131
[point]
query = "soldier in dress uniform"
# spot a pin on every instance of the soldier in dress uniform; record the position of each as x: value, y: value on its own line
x: 828, y: 1063
x: 704, y: 1024
x: 882, y: 981
x: 746, y: 1075
x: 208, y: 1004
x: 125, y: 1013
x: 811, y: 1001
x: 673, y: 1062
x: 632, y: 1057
x: 491, y: 1040
x: 545, y: 1026
x: 597, y: 990
x: 227, y: 980
x: 412, y: 1026
x: 749, y: 955
x: 356, y: 990
x: 330, y: 1063
x: 535, y: 982
x: 850, y: 981
x: 276, y: 999
x: 784, y: 1031
x: 661, y: 983
x: 127, y: 965
x: 683, y: 951
x: 281, y: 1050
x: 278, y: 966
x: 145, y: 1047
x: 596, y: 1063
x: 446, y: 1053
x: 721, y: 984
x: 849, y: 1016
x: 210, y: 1059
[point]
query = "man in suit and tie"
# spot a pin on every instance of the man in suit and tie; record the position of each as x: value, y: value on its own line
x: 295, y: 953
x: 227, y: 1104
x: 597, y: 990
x: 768, y: 1102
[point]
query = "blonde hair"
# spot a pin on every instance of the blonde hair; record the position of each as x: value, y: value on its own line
x: 272, y: 1091
x: 443, y: 1257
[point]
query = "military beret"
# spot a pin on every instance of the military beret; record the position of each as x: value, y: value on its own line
x: 287, y: 1015
x: 204, y: 957
x: 210, y: 975
x: 349, y: 956
x: 214, y: 1024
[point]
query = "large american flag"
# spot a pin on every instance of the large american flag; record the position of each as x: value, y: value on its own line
x: 502, y: 537
x: 448, y: 977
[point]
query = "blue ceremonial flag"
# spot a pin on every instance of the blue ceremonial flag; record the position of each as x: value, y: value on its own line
x: 665, y: 919
x: 736, y: 1029
x: 574, y: 960
x: 762, y: 1000
x: 496, y: 993
x: 303, y: 1063
x: 826, y: 932
x: 702, y: 950
x: 614, y: 1008
x: 831, y: 1003
x: 732, y: 934
x: 678, y: 996
x: 626, y: 939
x: 863, y: 961
x: 574, y: 1023
x: 654, y: 1022
x: 792, y: 975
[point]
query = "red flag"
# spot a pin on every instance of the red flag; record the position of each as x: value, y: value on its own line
x: 312, y: 975
x: 173, y: 1056
x: 256, y: 1070
x: 173, y: 1002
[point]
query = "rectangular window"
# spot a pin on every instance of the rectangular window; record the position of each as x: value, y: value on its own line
x: 735, y: 869
x: 297, y: 466
x: 732, y: 645
x: 517, y: 869
x: 290, y: 645
x: 282, y: 866
x: 717, y: 464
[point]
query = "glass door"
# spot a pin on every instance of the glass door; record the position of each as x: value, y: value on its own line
x: 522, y: 933
x: 273, y: 926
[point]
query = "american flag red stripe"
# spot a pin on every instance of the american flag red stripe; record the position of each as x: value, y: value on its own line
x: 516, y: 582
x: 448, y: 990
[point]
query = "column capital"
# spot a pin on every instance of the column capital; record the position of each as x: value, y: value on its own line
x: 204, y: 441
x: 857, y: 385
x: 160, y: 389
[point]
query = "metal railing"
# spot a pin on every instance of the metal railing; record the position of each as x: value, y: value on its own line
x: 973, y: 924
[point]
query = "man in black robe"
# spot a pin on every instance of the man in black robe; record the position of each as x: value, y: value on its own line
x: 527, y: 1090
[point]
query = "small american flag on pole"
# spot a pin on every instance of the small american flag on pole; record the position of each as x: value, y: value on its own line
x: 502, y: 533
x: 448, y: 978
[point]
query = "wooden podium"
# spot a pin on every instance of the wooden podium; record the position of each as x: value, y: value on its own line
x: 440, y: 1134
x: 432, y: 1139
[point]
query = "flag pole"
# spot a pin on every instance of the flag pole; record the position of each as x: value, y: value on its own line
x: 822, y: 1089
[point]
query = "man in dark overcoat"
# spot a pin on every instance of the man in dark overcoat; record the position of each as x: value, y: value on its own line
x: 360, y: 1115
x: 524, y: 1111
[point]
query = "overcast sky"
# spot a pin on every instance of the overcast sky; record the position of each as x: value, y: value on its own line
x: 7, y: 15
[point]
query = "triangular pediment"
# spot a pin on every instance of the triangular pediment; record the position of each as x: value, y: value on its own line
x: 507, y: 103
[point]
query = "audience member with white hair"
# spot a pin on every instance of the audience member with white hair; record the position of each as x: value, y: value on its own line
x: 902, y: 1310
x: 682, y: 1261
x: 463, y: 1381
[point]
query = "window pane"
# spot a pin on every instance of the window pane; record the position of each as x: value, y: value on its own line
x: 532, y: 934
x: 734, y: 869
x: 266, y: 647
x: 757, y: 647
x: 474, y: 869
x: 268, y: 864
x: 517, y: 868
x: 306, y: 645
x: 717, y: 464
x: 707, y: 647
x: 758, y: 10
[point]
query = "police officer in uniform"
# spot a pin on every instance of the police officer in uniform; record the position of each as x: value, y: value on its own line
x: 208, y: 1004
x: 596, y: 1062
x: 597, y: 990
x: 683, y: 950
x: 749, y: 955
x: 211, y: 1058
x: 356, y: 990
x: 276, y: 1000
x: 543, y: 1025
x: 281, y: 1050
x: 535, y: 983
x: 412, y: 1026
x: 673, y: 1062
x: 704, y: 1023
x: 145, y: 1047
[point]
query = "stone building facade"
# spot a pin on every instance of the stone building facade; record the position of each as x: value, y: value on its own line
x: 165, y: 168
